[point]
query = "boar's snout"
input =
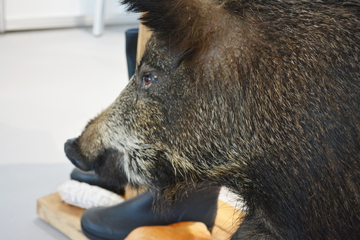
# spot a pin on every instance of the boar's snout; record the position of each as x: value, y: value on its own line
x: 72, y: 152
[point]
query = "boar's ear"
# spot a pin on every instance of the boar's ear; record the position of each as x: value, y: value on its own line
x: 188, y: 26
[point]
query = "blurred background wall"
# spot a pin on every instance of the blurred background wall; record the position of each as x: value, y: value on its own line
x: 55, y: 76
x: 45, y: 14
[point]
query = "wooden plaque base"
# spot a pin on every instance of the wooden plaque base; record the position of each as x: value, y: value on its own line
x: 66, y: 218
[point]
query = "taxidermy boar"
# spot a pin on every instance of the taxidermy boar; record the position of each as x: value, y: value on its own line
x: 262, y: 97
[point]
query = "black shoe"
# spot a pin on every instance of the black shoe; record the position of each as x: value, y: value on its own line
x: 92, y: 179
x: 116, y: 222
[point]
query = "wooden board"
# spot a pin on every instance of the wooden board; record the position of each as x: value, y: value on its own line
x: 66, y: 218
x: 143, y: 37
x: 62, y: 216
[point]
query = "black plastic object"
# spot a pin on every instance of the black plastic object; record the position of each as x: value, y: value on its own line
x: 131, y: 37
x: 116, y: 222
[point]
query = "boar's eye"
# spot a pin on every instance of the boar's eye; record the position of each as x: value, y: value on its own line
x: 148, y: 79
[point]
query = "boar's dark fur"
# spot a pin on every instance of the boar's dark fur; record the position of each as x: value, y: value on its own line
x: 260, y: 96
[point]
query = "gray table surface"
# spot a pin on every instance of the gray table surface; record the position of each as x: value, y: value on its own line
x: 20, y: 186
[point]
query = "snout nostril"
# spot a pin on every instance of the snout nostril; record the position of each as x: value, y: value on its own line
x: 72, y: 152
x: 71, y: 143
x: 71, y: 147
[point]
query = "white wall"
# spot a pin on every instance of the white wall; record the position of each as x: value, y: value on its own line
x: 2, y: 23
x: 41, y: 14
